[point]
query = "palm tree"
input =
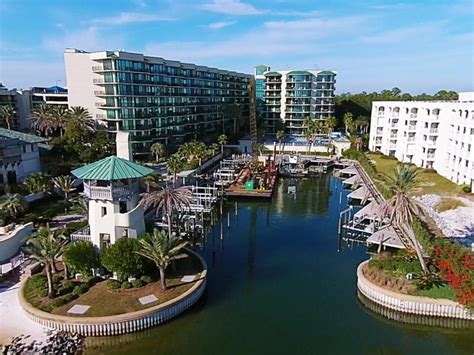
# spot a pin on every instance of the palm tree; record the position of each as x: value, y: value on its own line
x: 158, y: 150
x: 46, y: 247
x: 348, y: 122
x: 65, y: 184
x: 152, y: 180
x: 82, y: 118
x: 279, y: 135
x: 174, y: 165
x: 37, y: 182
x: 222, y: 140
x: 60, y: 117
x: 401, y: 208
x: 329, y: 125
x: 168, y: 201
x: 42, y: 120
x: 13, y: 205
x: 162, y: 250
x: 7, y: 113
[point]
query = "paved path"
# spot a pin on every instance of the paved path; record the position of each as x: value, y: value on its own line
x: 14, y: 322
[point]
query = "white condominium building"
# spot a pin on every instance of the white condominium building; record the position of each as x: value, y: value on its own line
x: 293, y: 95
x: 430, y: 134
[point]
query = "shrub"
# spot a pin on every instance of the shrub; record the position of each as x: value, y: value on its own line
x: 122, y: 258
x: 146, y: 279
x: 138, y: 283
x: 74, y: 226
x: 79, y: 290
x: 456, y: 265
x: 69, y: 284
x: 93, y: 280
x: 58, y: 302
x: 43, y: 292
x: 81, y: 257
x: 466, y: 189
x: 38, y: 282
x: 387, y: 157
x: 113, y: 284
x: 126, y: 285
x: 57, y: 278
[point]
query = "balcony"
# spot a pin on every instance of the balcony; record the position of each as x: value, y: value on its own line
x: 98, y: 81
x: 430, y: 156
x: 411, y: 139
x: 413, y: 115
x: 430, y: 143
x: 412, y: 128
x: 433, y: 130
x: 110, y: 192
x: 81, y: 234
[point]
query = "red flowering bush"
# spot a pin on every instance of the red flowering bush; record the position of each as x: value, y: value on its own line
x: 456, y: 266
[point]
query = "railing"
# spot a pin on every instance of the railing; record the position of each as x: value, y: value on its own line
x: 81, y: 234
x: 412, y: 128
x: 433, y: 130
x: 411, y: 139
x: 98, y: 81
x: 109, y: 192
x: 408, y: 303
x: 98, y: 68
x: 430, y: 156
x: 413, y: 115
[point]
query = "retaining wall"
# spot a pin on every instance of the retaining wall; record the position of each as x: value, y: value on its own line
x: 410, y: 304
x: 123, y: 323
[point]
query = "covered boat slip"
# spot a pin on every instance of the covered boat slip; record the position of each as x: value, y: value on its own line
x: 352, y: 181
x: 362, y: 194
x: 347, y: 172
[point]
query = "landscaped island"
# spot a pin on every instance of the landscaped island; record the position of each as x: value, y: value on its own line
x: 429, y: 265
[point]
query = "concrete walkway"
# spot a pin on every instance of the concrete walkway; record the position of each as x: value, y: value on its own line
x: 14, y: 322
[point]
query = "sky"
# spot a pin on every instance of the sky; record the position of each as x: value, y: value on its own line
x: 418, y: 45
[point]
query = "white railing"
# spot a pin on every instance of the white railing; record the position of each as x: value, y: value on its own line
x: 410, y: 304
x: 413, y: 115
x: 412, y: 128
x: 110, y: 192
x: 433, y: 130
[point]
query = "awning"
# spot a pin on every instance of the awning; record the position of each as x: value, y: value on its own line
x: 362, y: 193
x: 352, y: 180
x: 387, y: 237
x: 348, y: 171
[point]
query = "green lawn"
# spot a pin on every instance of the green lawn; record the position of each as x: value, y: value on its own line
x: 431, y: 182
x: 444, y: 291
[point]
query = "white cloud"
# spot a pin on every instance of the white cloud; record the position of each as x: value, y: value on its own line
x: 130, y: 17
x: 274, y: 37
x: 402, y: 34
x: 219, y: 25
x: 90, y: 39
x: 231, y: 7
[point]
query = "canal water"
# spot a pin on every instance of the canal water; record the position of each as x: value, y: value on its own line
x: 279, y: 283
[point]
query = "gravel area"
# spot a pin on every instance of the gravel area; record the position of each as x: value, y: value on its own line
x: 455, y: 223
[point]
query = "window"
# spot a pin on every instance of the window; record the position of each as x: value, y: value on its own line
x: 103, y: 211
x: 123, y: 206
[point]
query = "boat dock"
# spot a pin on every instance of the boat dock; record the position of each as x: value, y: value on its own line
x: 366, y: 225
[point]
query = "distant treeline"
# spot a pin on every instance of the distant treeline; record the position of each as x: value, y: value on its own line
x: 360, y: 104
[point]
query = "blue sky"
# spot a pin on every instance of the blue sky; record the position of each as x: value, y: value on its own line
x: 418, y: 46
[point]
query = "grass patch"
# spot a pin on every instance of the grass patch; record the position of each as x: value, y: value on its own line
x: 126, y: 300
x: 431, y: 182
x: 449, y: 203
x: 445, y: 292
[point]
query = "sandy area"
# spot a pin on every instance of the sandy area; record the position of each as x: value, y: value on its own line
x: 13, y: 321
x: 455, y: 223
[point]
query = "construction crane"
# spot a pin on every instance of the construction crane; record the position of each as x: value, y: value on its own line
x: 253, y: 119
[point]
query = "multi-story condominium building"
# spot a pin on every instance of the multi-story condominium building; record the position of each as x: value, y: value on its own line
x: 24, y: 101
x: 152, y: 98
x: 293, y: 95
x: 54, y: 95
x: 19, y: 155
x: 430, y: 134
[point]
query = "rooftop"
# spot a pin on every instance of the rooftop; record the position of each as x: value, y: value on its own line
x: 111, y: 168
x: 25, y: 137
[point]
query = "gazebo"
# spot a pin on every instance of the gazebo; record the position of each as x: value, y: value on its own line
x: 112, y: 187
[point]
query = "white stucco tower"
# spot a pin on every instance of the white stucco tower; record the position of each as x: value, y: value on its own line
x: 115, y: 211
